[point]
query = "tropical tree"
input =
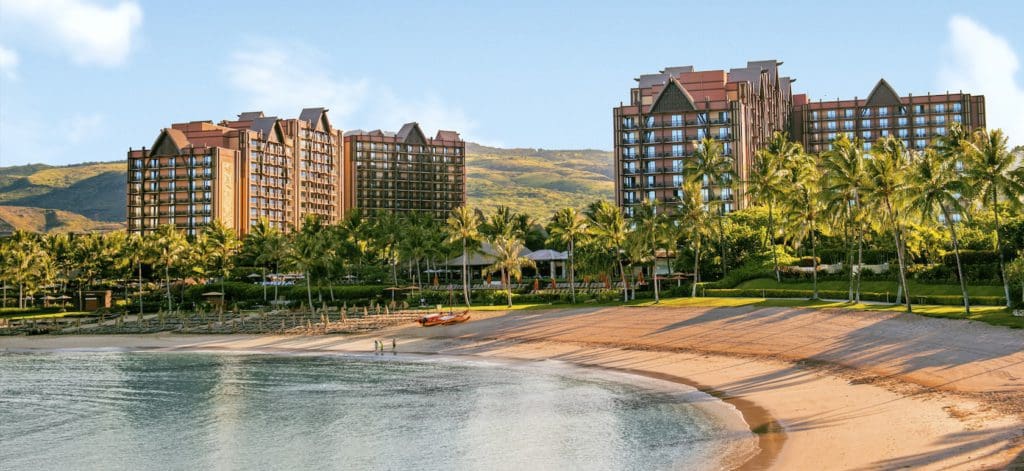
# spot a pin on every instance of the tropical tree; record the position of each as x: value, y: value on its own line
x: 844, y: 166
x: 464, y: 227
x: 715, y: 171
x: 568, y: 227
x: 509, y: 261
x: 26, y: 264
x: 305, y: 251
x: 936, y: 191
x: 221, y: 245
x: 649, y: 227
x: 886, y: 185
x: 694, y: 221
x: 266, y: 246
x: 766, y: 181
x: 989, y: 164
x: 168, y: 248
x: 803, y: 209
x: 608, y: 228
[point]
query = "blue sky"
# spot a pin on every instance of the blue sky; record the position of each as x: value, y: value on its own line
x: 84, y: 80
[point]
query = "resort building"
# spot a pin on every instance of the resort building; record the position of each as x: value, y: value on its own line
x: 670, y: 111
x: 405, y: 172
x: 916, y: 120
x: 237, y: 172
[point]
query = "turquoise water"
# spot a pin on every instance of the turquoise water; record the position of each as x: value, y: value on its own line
x: 188, y: 411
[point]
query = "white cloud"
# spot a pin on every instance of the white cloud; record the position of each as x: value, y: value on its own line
x: 282, y: 79
x: 88, y: 33
x: 8, y: 62
x: 980, y: 62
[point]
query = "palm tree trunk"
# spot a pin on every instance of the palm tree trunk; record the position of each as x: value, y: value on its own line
x: 465, y: 273
x: 309, y: 292
x: 956, y: 253
x: 814, y: 261
x: 771, y: 243
x: 572, y: 270
x: 263, y: 279
x: 140, y: 288
x: 860, y: 260
x: 696, y: 269
x: 999, y: 247
x: 21, y: 295
x: 167, y: 280
x: 622, y: 270
x: 899, y: 253
x: 508, y: 286
x: 721, y: 244
x: 849, y: 255
x: 654, y: 269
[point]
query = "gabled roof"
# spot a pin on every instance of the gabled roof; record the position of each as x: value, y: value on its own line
x: 317, y: 117
x: 673, y: 97
x: 169, y: 142
x: 447, y: 135
x: 411, y: 134
x: 883, y: 95
x: 269, y: 127
x: 250, y: 115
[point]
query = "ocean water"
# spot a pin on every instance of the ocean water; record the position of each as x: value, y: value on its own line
x: 197, y: 411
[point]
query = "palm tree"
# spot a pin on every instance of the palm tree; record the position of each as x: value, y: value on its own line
x: 509, y: 262
x: 168, y: 246
x: 387, y: 231
x: 846, y: 177
x: 27, y: 265
x: 221, y: 245
x: 936, y: 190
x: 715, y: 170
x: 305, y: 251
x: 803, y: 206
x: 648, y: 225
x: 568, y: 226
x: 766, y: 180
x: 267, y: 246
x: 464, y: 227
x: 608, y: 227
x: 989, y: 164
x: 693, y: 219
x: 886, y: 174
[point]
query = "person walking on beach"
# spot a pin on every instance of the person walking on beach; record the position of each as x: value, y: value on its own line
x: 394, y: 345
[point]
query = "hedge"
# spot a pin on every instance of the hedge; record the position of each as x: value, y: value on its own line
x: 239, y: 292
x: 946, y: 300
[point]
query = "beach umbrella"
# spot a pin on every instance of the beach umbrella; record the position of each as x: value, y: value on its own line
x: 536, y: 285
x: 640, y: 278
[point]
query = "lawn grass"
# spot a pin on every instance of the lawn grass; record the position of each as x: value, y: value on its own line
x: 45, y: 315
x: 916, y: 288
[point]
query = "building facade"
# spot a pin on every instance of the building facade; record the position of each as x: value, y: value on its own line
x: 669, y: 112
x: 405, y: 171
x: 238, y: 171
x: 916, y: 120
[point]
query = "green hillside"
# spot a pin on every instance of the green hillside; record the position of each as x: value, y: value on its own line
x: 49, y: 220
x: 534, y: 181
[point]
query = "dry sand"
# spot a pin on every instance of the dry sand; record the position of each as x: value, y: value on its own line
x: 851, y: 390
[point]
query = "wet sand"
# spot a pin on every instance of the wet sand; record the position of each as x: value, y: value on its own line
x: 850, y: 390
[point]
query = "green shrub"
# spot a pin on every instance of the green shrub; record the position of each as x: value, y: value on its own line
x: 946, y: 300
x: 972, y: 257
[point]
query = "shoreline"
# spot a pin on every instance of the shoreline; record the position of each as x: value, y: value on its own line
x: 835, y: 411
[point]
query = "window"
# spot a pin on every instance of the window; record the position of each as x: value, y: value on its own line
x: 723, y: 117
x: 920, y: 120
x: 701, y: 134
x: 723, y: 133
x: 649, y: 121
x: 650, y: 167
x: 865, y: 112
x: 848, y: 124
x: 814, y: 115
x: 726, y: 148
x: 629, y: 138
x: 677, y: 120
x: 831, y: 136
x: 957, y: 107
x: 649, y: 151
x: 677, y: 181
x: 884, y: 133
x: 677, y: 165
x: 865, y: 123
x: 702, y: 118
x: 883, y: 111
x: 883, y: 122
x: 831, y: 125
x: 850, y: 135
x: 677, y: 135
x: 848, y: 113
x: 940, y: 130
x: 677, y: 151
x: 831, y: 114
x: 940, y: 119
x: 649, y: 136
x: 628, y: 123
x: 865, y: 134
x: 920, y: 132
x: 918, y: 109
x: 939, y: 108
x: 866, y: 147
x: 901, y: 121
x: 958, y: 118
x: 920, y: 144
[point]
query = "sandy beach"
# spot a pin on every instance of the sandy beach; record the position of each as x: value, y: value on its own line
x: 823, y: 389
